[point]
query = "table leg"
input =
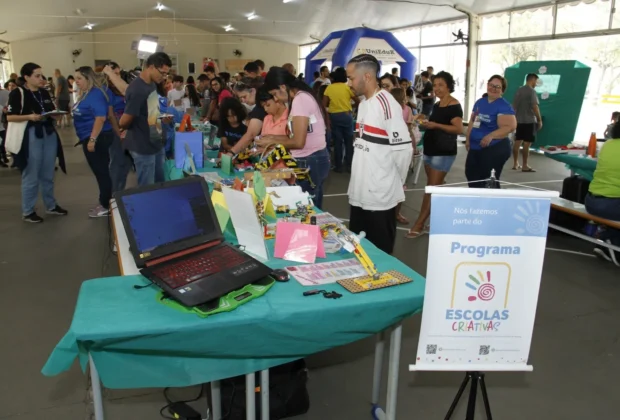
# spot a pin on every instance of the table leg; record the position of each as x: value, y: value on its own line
x: 394, y: 363
x: 264, y: 394
x: 95, y: 384
x: 250, y: 401
x: 216, y: 400
x: 376, y: 376
x: 393, y: 366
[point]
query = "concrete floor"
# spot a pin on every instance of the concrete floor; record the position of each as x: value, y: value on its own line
x: 574, y: 352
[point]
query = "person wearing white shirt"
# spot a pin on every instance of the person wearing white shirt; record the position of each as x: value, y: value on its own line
x: 325, y: 76
x: 381, y: 158
x: 176, y: 94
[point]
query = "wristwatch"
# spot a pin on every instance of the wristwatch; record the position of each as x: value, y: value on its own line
x: 93, y: 140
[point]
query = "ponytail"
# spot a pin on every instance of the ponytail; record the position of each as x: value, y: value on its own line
x: 278, y: 76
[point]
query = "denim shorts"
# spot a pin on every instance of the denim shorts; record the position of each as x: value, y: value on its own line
x: 440, y: 163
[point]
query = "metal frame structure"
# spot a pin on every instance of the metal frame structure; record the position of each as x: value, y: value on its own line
x: 474, y: 19
x: 378, y: 413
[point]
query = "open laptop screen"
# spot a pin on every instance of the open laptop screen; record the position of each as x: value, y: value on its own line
x: 168, y: 215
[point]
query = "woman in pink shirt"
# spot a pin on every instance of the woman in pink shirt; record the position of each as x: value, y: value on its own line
x: 219, y: 92
x: 275, y: 123
x: 306, y: 122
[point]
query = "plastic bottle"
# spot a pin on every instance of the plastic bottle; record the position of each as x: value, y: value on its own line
x: 592, y: 145
x: 591, y: 229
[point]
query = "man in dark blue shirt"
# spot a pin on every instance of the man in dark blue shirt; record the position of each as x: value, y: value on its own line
x: 141, y: 120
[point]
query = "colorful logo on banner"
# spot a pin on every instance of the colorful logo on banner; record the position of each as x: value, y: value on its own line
x: 479, y: 300
x: 533, y: 222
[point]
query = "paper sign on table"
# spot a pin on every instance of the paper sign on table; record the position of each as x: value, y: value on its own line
x: 227, y: 166
x: 298, y: 242
x: 248, y: 228
x: 221, y: 211
x: 270, y: 212
x: 259, y: 185
x: 223, y: 217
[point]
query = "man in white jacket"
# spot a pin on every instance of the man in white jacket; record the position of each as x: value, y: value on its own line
x: 381, y: 158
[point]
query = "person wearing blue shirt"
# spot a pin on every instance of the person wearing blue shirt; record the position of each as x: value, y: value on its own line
x: 120, y: 160
x: 94, y: 131
x: 488, y: 146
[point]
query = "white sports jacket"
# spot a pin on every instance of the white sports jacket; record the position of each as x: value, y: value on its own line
x: 382, y: 154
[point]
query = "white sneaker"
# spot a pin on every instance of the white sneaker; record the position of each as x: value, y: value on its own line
x: 98, y: 211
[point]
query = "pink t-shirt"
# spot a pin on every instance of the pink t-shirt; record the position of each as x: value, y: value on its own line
x: 407, y: 114
x: 304, y: 105
x: 224, y: 93
x: 275, y: 127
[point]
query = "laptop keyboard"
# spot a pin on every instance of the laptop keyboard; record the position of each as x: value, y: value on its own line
x: 200, y: 265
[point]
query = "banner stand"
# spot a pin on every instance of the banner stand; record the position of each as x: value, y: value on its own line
x: 476, y: 378
x: 485, y: 259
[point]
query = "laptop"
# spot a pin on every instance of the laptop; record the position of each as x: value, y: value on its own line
x: 177, y: 243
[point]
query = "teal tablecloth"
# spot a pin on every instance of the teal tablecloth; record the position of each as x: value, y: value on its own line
x: 582, y: 166
x: 138, y: 342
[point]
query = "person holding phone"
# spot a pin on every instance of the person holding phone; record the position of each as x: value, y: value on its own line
x: 41, y: 144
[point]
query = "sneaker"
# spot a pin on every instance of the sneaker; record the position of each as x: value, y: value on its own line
x: 32, y: 218
x: 602, y: 253
x: 607, y: 254
x: 612, y: 254
x: 59, y: 211
x: 98, y: 211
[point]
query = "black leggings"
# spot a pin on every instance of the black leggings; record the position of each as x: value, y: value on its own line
x: 99, y: 162
x: 479, y: 163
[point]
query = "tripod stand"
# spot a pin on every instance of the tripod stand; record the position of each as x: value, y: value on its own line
x: 476, y: 377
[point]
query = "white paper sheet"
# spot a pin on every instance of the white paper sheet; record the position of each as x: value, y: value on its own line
x: 288, y: 196
x: 245, y: 221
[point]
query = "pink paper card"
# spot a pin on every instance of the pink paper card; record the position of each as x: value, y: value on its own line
x: 298, y: 242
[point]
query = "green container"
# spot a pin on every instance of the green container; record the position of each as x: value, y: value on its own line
x: 560, y: 96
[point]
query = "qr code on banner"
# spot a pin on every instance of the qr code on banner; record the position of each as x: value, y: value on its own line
x: 431, y: 349
x: 484, y: 350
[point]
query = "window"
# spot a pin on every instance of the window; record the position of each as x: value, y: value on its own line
x: 304, y: 50
x: 601, y: 54
x: 452, y: 59
x: 5, y: 71
x: 580, y: 16
x: 408, y: 37
x: 494, y: 26
x: 442, y: 33
x: 531, y: 22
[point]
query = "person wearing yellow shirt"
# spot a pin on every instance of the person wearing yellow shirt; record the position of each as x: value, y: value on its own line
x: 337, y: 99
x: 603, y: 199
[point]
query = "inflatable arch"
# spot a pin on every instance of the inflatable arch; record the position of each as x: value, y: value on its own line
x: 341, y: 46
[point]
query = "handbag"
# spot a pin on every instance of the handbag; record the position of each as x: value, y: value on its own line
x: 15, y: 132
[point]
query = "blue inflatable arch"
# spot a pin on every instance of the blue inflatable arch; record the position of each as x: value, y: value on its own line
x: 341, y: 46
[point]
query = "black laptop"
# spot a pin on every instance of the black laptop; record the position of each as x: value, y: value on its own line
x: 177, y: 243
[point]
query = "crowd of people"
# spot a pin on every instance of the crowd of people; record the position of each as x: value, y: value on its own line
x: 372, y: 121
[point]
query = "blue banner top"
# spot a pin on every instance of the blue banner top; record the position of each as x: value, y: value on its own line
x: 489, y: 216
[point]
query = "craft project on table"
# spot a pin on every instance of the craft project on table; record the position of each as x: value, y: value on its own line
x: 327, y: 272
x: 248, y: 228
